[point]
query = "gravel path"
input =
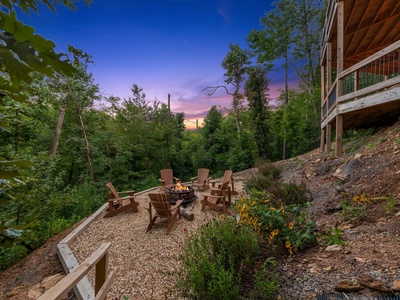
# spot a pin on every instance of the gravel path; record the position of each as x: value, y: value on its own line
x: 145, y: 264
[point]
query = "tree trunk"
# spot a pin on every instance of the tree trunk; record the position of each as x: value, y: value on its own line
x: 87, y: 148
x: 56, y: 140
x: 286, y: 102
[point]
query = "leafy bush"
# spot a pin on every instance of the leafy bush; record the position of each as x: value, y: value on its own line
x: 331, y: 236
x: 214, y: 258
x: 265, y: 282
x: 9, y: 256
x: 283, y: 225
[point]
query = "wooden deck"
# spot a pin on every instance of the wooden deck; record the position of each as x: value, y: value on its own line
x: 360, y: 67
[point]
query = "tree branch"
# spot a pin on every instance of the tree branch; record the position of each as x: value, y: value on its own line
x: 215, y: 88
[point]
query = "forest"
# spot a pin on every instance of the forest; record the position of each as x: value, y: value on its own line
x: 58, y: 150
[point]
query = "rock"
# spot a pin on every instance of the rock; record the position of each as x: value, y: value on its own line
x: 371, y: 283
x: 48, y: 282
x: 35, y: 291
x: 360, y: 260
x: 334, y: 248
x: 348, y: 286
x: 358, y: 155
x: 396, y: 286
x: 342, y: 174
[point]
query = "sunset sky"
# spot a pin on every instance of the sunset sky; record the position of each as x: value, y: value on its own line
x: 165, y: 46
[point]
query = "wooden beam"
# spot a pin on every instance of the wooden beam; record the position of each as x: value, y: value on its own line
x: 339, y: 135
x: 371, y: 89
x: 69, y: 281
x: 378, y: 12
x: 359, y: 27
x: 322, y: 141
x: 371, y: 58
x: 328, y: 138
x: 386, y: 96
x: 323, y: 87
x: 340, y: 35
x: 387, y: 34
x: 329, y: 66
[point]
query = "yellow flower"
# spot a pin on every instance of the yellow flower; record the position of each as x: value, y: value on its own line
x: 253, y: 202
x: 272, y: 208
x: 291, y: 225
x: 266, y: 201
x: 287, y: 244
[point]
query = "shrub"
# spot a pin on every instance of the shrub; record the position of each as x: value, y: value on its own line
x: 265, y: 283
x: 9, y: 256
x: 283, y: 225
x: 214, y: 258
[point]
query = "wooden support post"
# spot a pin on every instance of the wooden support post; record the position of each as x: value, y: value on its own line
x: 329, y: 66
x: 101, y: 273
x: 328, y: 138
x: 356, y: 81
x: 322, y: 143
x: 339, y: 135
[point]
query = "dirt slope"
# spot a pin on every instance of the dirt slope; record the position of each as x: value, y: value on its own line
x: 370, y: 165
x: 371, y: 236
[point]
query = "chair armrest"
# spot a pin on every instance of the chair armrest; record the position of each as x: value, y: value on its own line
x: 177, y: 204
x: 176, y: 178
x: 213, y: 182
x: 193, y: 178
x: 212, y: 196
x: 127, y: 192
x: 161, y: 180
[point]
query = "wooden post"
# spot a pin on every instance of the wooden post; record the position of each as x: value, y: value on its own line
x: 328, y: 66
x: 339, y: 91
x: 322, y: 142
x: 328, y: 138
x: 169, y: 102
x: 339, y: 134
x: 101, y: 273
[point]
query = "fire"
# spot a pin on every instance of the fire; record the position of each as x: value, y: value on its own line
x: 178, y: 187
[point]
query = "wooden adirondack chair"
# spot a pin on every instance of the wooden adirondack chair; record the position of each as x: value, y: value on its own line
x: 167, y: 178
x: 117, y: 204
x: 202, y: 180
x: 227, y: 177
x: 219, y: 199
x: 161, y: 204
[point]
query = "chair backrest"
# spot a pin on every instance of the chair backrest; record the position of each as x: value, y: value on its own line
x: 112, y: 190
x: 227, y: 176
x: 202, y: 175
x: 161, y: 203
x: 221, y: 190
x: 167, y: 176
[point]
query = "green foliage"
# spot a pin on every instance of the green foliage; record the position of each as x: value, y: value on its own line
x: 266, y: 282
x: 390, y: 206
x: 352, y: 212
x: 284, y: 225
x: 214, y: 258
x: 9, y: 256
x: 331, y: 236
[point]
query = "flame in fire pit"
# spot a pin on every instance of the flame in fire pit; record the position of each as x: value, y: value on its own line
x: 178, y: 187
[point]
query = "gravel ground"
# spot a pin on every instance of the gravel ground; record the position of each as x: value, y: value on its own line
x: 145, y: 264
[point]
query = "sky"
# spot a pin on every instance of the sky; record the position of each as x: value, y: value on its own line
x: 171, y: 47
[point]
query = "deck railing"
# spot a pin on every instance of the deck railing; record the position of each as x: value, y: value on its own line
x: 99, y: 260
x: 372, y: 75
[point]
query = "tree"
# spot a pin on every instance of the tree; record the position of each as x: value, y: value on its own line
x: 256, y: 92
x: 235, y: 63
x: 291, y: 31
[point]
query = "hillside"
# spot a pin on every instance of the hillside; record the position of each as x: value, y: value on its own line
x: 369, y: 171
